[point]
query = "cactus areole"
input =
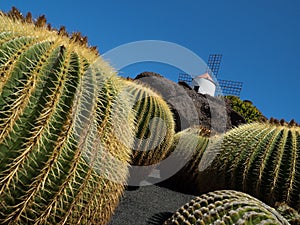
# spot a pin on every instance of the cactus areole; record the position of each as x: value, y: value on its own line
x: 60, y: 159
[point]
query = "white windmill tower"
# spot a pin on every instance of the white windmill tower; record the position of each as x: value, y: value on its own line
x: 204, y: 84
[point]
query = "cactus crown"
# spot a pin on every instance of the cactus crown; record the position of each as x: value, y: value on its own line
x: 41, y: 23
x: 192, y: 140
x: 282, y: 122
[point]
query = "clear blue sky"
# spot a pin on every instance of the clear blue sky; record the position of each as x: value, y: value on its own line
x: 259, y: 39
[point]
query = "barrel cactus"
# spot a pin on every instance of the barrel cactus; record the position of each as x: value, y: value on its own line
x: 226, y: 207
x: 261, y: 159
x: 61, y: 161
x: 155, y: 125
x: 154, y: 130
x: 188, y: 148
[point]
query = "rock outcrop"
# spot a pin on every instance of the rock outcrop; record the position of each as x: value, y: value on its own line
x: 191, y: 108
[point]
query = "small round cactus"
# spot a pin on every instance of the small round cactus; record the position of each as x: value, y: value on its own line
x: 226, y: 207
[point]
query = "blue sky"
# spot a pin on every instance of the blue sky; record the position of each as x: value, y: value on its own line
x: 259, y: 39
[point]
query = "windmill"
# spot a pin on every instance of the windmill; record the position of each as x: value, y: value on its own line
x: 225, y: 87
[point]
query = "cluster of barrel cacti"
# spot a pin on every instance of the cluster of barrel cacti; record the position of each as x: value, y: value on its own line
x: 70, y: 128
x: 261, y: 159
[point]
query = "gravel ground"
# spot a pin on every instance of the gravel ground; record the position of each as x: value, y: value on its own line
x: 148, y: 205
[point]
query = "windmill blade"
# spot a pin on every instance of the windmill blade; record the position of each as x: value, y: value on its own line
x: 229, y: 87
x: 213, y: 64
x: 184, y: 77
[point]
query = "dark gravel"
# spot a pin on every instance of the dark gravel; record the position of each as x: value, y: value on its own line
x: 148, y: 205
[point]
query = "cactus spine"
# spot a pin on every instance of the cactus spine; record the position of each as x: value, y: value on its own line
x: 226, y: 207
x: 60, y: 160
x: 262, y: 159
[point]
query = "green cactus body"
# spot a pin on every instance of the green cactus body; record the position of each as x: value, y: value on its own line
x: 154, y: 131
x: 261, y: 159
x: 58, y: 159
x: 226, y: 207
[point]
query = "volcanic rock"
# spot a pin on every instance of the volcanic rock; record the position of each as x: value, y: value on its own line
x: 191, y: 108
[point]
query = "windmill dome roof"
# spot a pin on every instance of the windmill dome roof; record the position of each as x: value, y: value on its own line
x: 206, y: 76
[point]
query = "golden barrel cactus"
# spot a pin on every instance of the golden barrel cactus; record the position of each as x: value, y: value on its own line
x: 261, y: 159
x: 61, y: 161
